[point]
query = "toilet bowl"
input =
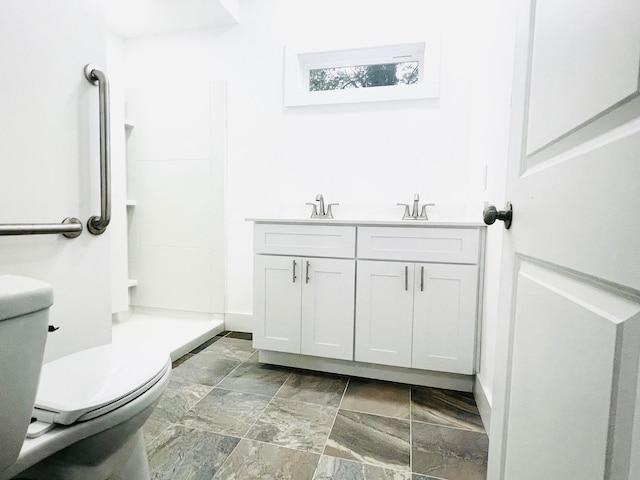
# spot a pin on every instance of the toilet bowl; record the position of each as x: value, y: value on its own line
x: 84, y: 412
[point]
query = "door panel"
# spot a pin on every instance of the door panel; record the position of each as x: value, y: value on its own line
x: 594, y: 65
x: 328, y: 307
x: 277, y: 303
x: 578, y: 210
x: 384, y: 312
x: 564, y: 398
x: 566, y: 347
x: 444, y: 317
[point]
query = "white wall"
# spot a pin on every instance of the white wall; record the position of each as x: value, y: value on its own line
x: 379, y: 153
x: 490, y: 109
x: 118, y: 227
x: 175, y: 164
x: 49, y: 160
x: 366, y: 154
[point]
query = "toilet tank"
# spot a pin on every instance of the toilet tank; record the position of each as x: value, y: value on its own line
x: 24, y: 312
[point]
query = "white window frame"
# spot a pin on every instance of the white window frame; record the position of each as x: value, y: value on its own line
x: 298, y: 61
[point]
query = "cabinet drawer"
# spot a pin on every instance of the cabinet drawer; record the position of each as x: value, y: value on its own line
x: 450, y: 245
x: 306, y: 240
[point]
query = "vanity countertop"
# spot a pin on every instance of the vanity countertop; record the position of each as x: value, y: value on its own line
x: 372, y: 223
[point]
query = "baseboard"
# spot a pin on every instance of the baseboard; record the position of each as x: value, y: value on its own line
x: 483, y: 402
x: 238, y: 322
x: 450, y: 381
x: 121, y: 316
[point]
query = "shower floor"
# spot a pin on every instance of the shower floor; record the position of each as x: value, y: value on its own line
x: 177, y: 332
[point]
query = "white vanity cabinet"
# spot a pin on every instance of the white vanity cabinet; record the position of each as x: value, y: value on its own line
x: 304, y: 304
x: 417, y: 314
x: 390, y: 300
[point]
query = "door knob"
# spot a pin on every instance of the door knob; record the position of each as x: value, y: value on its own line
x: 491, y: 214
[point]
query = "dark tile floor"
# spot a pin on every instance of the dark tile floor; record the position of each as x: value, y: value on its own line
x: 226, y: 416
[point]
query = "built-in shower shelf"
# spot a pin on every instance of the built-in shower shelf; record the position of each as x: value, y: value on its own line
x: 132, y: 283
x: 129, y: 124
x: 131, y: 203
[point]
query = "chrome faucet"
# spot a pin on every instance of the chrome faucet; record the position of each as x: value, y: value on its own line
x: 320, y: 200
x: 416, y: 205
x: 319, y: 211
x: 414, y: 215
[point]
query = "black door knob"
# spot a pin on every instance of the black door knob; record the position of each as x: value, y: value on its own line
x: 491, y: 214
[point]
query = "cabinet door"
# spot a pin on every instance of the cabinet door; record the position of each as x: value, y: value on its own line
x: 276, y: 303
x: 384, y: 311
x: 328, y: 289
x: 444, y: 317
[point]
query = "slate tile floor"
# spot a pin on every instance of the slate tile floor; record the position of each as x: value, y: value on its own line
x: 226, y: 416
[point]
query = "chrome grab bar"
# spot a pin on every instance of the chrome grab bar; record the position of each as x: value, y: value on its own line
x: 70, y: 227
x: 98, y: 224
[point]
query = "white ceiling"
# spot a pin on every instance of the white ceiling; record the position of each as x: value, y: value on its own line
x: 134, y: 18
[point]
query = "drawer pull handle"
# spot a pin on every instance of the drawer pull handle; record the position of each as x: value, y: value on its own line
x: 406, y: 278
x: 294, y: 271
x: 422, y: 278
x: 306, y: 280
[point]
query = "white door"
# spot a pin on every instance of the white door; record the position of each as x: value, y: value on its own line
x: 444, y: 317
x: 328, y: 301
x: 384, y: 312
x: 277, y: 303
x: 566, y: 393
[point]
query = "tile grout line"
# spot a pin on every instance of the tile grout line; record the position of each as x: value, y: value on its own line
x: 266, y: 406
x: 344, y: 392
x: 375, y: 415
x: 244, y: 436
x: 451, y: 406
x: 346, y: 387
x: 460, y: 429
x: 217, y: 383
x: 178, y: 424
x: 241, y: 362
x: 293, y: 371
x: 411, y: 431
x: 339, y: 407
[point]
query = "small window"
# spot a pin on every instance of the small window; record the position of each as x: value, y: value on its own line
x: 391, y: 72
x: 363, y: 76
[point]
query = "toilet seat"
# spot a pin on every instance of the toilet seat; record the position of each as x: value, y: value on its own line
x: 128, y: 417
x: 96, y: 381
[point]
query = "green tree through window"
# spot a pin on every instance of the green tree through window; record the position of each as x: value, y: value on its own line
x: 363, y: 76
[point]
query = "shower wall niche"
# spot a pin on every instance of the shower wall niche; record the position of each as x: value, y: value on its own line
x: 176, y: 148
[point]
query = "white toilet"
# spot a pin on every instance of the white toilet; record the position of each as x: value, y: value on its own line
x: 89, y: 406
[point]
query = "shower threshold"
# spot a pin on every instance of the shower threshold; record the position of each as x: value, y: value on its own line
x: 175, y: 331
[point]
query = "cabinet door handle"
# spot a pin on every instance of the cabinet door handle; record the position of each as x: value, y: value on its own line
x: 422, y: 278
x: 406, y: 278
x: 306, y: 280
x: 294, y: 271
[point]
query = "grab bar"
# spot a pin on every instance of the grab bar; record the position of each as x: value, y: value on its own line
x: 98, y: 224
x: 70, y: 227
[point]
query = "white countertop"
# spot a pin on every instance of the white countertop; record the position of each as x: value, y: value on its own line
x: 373, y: 223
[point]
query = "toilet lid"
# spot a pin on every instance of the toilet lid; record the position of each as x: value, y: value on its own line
x: 93, y: 382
